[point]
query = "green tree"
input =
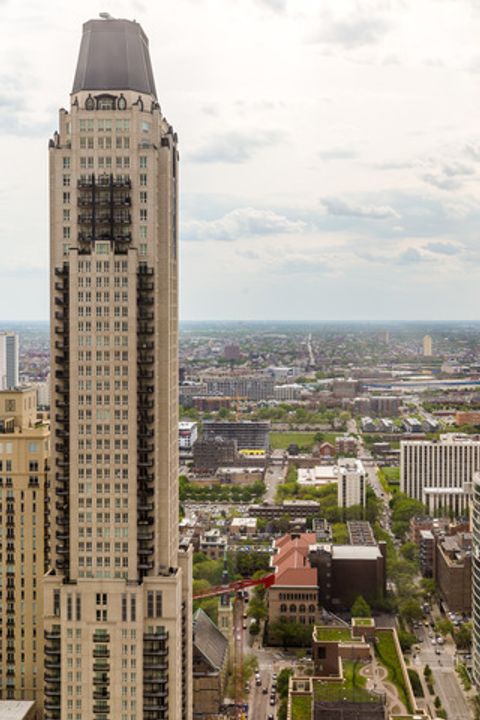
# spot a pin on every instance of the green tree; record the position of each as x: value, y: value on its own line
x: 254, y: 629
x: 410, y: 610
x: 361, y: 608
x: 463, y: 636
x: 443, y: 627
x: 282, y: 681
x: 410, y: 552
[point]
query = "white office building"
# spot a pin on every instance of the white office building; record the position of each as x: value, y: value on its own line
x: 440, y: 473
x: 351, y: 483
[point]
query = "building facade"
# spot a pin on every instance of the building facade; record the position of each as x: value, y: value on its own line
x: 24, y: 452
x: 118, y: 596
x: 8, y: 360
x: 249, y: 434
x: 476, y: 580
x: 440, y: 473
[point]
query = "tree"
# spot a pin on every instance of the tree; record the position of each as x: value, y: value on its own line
x: 444, y: 626
x: 463, y: 636
x: 410, y: 610
x: 361, y: 608
x: 428, y: 587
x: 409, y: 551
x: 282, y: 681
x: 254, y: 629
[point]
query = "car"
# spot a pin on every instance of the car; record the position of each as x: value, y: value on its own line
x: 437, y: 651
x: 272, y: 701
x: 244, y: 626
x: 274, y: 676
x: 434, y: 642
x: 245, y: 616
x: 270, y: 717
x: 264, y: 691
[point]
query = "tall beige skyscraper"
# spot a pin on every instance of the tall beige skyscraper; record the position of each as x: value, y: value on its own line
x: 118, y: 596
x: 24, y: 453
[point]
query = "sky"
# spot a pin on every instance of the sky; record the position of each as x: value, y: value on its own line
x: 330, y: 152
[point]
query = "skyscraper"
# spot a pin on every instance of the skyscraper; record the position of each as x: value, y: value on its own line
x: 118, y: 596
x: 427, y: 346
x: 8, y: 360
x: 24, y: 453
x: 475, y: 519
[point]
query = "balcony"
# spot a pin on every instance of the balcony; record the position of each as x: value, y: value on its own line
x: 145, y: 536
x: 145, y: 566
x: 103, y: 680
x: 144, y: 506
x: 99, y: 666
x: 145, y: 359
x: 54, y: 679
x: 101, y: 708
x: 144, y: 285
x: 101, y: 653
x: 99, y: 637
x: 52, y: 635
x: 52, y: 705
x: 101, y: 695
x: 145, y: 551
x: 163, y: 635
x: 53, y: 663
x: 145, y: 270
x: 86, y: 182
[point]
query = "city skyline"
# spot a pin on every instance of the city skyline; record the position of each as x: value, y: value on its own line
x: 329, y: 159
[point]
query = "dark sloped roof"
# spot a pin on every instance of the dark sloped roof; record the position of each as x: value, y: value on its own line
x: 114, y: 56
x: 208, y: 639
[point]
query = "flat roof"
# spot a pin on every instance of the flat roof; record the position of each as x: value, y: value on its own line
x: 355, y: 552
x: 15, y: 709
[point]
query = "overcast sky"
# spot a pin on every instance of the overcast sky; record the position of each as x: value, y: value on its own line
x: 330, y: 152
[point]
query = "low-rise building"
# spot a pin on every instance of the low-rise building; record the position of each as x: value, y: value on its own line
x: 187, y: 432
x: 210, y: 664
x: 249, y: 434
x: 346, y: 445
x: 453, y: 571
x: 289, y: 509
x: 243, y: 526
x: 213, y: 544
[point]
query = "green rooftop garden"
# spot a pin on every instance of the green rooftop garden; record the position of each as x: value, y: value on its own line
x: 335, y: 634
x: 386, y: 652
x: 352, y: 689
x: 363, y: 622
x: 302, y: 707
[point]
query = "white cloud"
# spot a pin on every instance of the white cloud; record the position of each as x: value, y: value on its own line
x: 241, y: 223
x: 235, y: 146
x: 337, y: 206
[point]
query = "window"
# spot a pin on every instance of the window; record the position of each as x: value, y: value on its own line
x: 143, y: 161
x: 66, y: 197
x: 122, y: 125
x: 102, y: 248
x: 66, y: 233
x: 66, y: 181
x: 104, y: 125
x: 143, y: 196
x: 146, y: 127
x: 56, y: 603
x: 143, y: 215
x: 143, y: 179
x: 10, y: 406
x: 142, y: 249
x: 66, y: 215
x: 66, y: 163
x: 33, y: 448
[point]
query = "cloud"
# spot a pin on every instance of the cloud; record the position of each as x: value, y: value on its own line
x: 410, y: 256
x: 241, y: 223
x: 473, y: 151
x: 278, y: 6
x: 443, y: 248
x: 338, y: 153
x: 361, y: 27
x: 303, y: 266
x: 449, y: 176
x: 236, y: 147
x: 343, y: 208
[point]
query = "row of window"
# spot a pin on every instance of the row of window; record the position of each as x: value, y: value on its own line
x: 103, y: 266
x: 103, y: 142
x: 101, y: 340
x: 103, y: 281
x: 106, y: 125
x: 118, y: 356
x: 103, y: 444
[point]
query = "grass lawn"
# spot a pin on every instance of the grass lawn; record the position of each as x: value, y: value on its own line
x: 333, y: 633
x: 364, y: 622
x: 352, y: 689
x: 386, y: 652
x: 281, y: 440
x: 302, y: 707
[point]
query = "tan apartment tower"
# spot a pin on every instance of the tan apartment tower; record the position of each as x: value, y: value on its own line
x: 24, y: 452
x: 427, y: 346
x: 118, y: 595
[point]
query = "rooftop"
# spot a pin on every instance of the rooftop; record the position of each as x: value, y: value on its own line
x: 15, y: 709
x: 114, y: 55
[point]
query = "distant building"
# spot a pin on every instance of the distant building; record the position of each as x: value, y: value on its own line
x: 471, y: 417
x: 243, y: 526
x: 250, y: 387
x: 248, y: 434
x: 385, y: 405
x: 318, y: 475
x: 326, y: 450
x: 210, y: 454
x: 290, y: 509
x: 351, y: 483
x: 427, y: 346
x: 440, y: 473
x: 232, y: 353
x: 343, y: 387
x: 427, y: 553
x: 412, y: 425
x: 360, y: 533
x: 213, y: 544
x: 187, y: 432
x: 346, y: 445
x: 210, y: 403
x: 292, y: 391
x: 453, y: 571
x: 368, y: 425
x: 8, y: 360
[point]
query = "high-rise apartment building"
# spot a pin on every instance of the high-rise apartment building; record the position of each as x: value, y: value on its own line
x: 24, y: 452
x: 427, y: 346
x: 476, y: 579
x: 440, y: 473
x: 118, y: 596
x: 8, y: 360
